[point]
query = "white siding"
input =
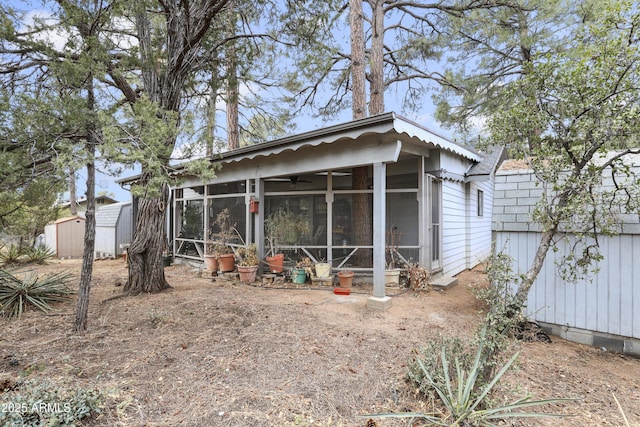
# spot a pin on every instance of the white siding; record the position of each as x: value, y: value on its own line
x: 51, y: 237
x: 105, y: 241
x: 453, y: 227
x: 603, y: 304
x: 479, y: 227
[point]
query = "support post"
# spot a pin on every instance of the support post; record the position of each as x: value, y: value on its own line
x: 259, y: 217
x: 379, y: 300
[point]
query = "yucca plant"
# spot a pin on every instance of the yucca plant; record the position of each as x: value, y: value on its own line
x: 39, y: 254
x: 10, y: 255
x: 19, y: 290
x: 466, y: 406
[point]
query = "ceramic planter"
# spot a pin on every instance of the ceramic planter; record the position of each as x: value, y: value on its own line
x: 276, y: 263
x: 247, y: 273
x: 323, y: 270
x: 298, y: 275
x: 392, y: 277
x: 211, y: 262
x: 166, y: 260
x: 226, y: 262
x: 346, y: 279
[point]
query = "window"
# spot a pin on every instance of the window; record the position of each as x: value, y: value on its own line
x: 480, y: 203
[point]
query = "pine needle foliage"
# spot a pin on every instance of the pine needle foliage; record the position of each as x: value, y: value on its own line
x: 19, y: 290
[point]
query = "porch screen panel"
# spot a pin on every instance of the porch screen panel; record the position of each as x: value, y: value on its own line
x: 343, y: 233
x: 237, y: 208
x: 190, y: 219
x: 402, y: 219
x: 308, y: 214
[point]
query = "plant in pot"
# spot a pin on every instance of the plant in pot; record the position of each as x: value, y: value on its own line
x: 393, y: 258
x: 225, y: 232
x: 248, y: 264
x: 275, y: 262
x: 322, y: 270
x: 303, y: 268
x: 211, y: 256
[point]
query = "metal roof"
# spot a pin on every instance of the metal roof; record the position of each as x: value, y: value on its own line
x: 108, y: 215
x: 391, y: 124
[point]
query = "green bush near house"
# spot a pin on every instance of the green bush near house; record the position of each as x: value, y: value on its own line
x: 42, y: 403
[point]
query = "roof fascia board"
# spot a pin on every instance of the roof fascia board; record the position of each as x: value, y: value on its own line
x: 411, y: 129
x: 291, y: 163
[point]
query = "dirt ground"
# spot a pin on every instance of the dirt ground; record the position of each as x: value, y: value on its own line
x: 212, y: 352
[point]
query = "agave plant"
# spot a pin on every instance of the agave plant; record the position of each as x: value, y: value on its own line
x: 10, y: 255
x: 466, y: 406
x: 18, y: 291
x: 39, y: 254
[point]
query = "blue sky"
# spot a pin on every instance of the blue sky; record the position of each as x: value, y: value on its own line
x: 393, y: 102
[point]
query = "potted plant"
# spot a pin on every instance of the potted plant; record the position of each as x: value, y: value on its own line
x: 248, y: 264
x: 322, y: 270
x: 225, y: 232
x: 210, y: 256
x: 392, y: 273
x: 303, y: 268
x: 275, y: 262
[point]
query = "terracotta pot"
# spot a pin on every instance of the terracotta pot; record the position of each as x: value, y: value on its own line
x: 247, y: 273
x: 226, y: 262
x: 276, y: 263
x: 211, y: 262
x: 346, y: 278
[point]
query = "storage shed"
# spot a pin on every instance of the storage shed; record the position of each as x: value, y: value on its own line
x: 114, y: 228
x: 600, y: 310
x: 66, y: 237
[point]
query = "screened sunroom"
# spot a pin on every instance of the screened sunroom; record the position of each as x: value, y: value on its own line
x: 350, y: 194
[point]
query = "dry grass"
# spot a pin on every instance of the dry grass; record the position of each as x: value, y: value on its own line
x: 225, y: 354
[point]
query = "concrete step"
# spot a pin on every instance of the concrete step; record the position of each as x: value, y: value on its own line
x: 443, y: 282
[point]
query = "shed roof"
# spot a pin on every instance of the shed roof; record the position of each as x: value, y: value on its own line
x: 489, y: 163
x: 67, y: 219
x: 107, y: 216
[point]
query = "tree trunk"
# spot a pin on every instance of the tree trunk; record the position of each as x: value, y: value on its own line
x: 376, y: 76
x: 233, y: 134
x: 73, y: 202
x: 359, y: 176
x: 527, y: 282
x: 358, y: 76
x: 82, y: 305
x: 211, y: 116
x: 164, y: 83
x: 146, y: 272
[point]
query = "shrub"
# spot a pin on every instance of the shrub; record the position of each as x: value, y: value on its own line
x: 429, y: 358
x: 465, y: 394
x: 39, y: 402
x: 30, y: 289
x: 39, y: 254
x: 10, y: 255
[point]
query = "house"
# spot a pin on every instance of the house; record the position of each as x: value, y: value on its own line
x: 65, y: 237
x: 602, y: 310
x: 114, y: 229
x: 431, y: 196
x: 81, y: 203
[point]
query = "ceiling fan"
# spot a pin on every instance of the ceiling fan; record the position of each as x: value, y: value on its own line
x: 292, y: 179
